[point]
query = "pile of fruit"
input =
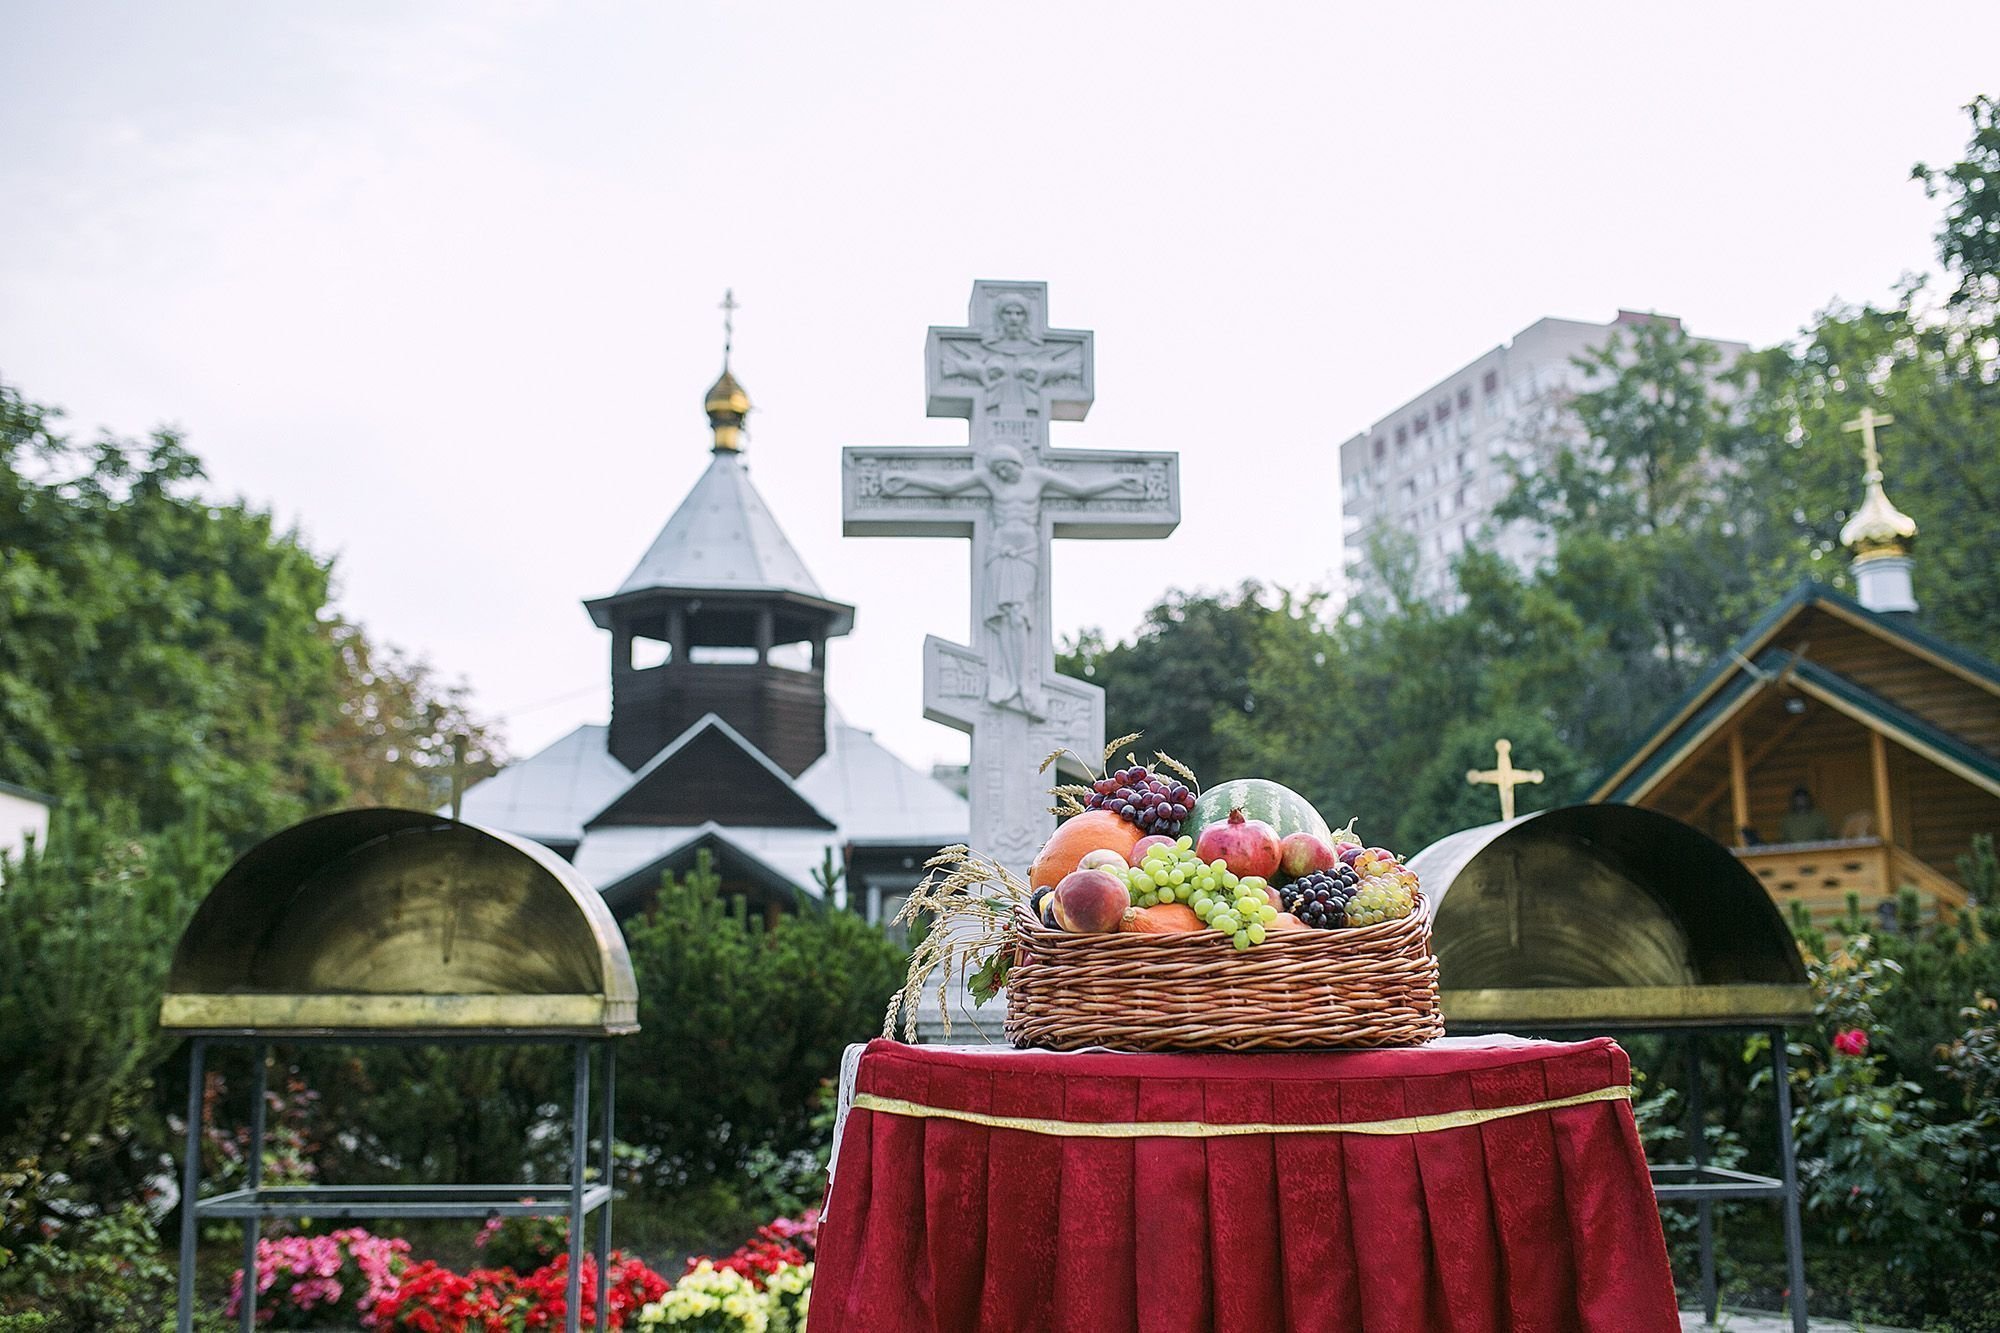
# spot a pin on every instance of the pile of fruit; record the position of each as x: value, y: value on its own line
x: 1144, y: 853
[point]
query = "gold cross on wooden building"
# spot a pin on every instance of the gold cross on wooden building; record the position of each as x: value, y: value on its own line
x: 1506, y: 777
x: 1866, y: 424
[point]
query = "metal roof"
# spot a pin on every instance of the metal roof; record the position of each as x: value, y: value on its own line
x: 722, y: 538
x: 875, y: 797
x: 1727, y: 675
x: 868, y: 793
x: 548, y: 795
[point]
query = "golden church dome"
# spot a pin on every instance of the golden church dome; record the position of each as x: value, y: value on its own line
x: 727, y: 404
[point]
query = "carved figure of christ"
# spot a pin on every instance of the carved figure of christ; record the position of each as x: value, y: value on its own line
x: 1012, y: 561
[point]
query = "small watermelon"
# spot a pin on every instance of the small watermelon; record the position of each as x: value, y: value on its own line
x: 1280, y: 807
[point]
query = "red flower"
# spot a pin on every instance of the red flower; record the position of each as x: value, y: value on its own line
x: 1851, y: 1041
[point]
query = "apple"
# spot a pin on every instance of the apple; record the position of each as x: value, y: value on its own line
x: 1091, y: 902
x: 1302, y: 853
x: 1246, y: 846
x: 1147, y: 844
x: 1102, y: 859
x: 1286, y: 921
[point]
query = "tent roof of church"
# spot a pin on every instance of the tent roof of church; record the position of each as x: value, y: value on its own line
x: 723, y: 538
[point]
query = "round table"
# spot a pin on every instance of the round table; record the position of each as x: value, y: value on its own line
x: 1472, y: 1184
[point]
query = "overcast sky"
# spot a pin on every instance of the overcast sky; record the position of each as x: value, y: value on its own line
x: 437, y: 282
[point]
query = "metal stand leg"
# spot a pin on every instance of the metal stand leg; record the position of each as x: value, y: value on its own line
x: 605, y: 1179
x: 254, y: 1176
x: 579, y: 1149
x: 1795, y: 1258
x: 1704, y: 1210
x: 190, y: 1186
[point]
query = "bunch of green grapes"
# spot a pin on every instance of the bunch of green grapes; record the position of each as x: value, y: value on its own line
x: 1166, y: 874
x: 1236, y: 907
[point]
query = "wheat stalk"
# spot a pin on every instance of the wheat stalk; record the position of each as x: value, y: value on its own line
x: 970, y: 899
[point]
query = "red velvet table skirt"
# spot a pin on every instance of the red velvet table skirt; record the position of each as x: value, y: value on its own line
x: 1018, y: 1191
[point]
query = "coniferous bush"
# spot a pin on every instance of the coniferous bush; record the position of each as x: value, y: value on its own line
x: 740, y: 1025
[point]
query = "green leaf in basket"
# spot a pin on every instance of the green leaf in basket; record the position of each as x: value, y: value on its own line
x: 991, y: 976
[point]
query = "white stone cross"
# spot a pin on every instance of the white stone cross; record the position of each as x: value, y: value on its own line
x: 1009, y: 374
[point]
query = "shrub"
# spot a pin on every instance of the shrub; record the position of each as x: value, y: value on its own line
x: 740, y: 1024
x: 1881, y: 1164
x: 88, y: 924
x: 433, y: 1299
x: 102, y: 1273
x: 325, y: 1281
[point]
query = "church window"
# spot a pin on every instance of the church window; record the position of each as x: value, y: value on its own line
x: 1491, y: 384
x: 1464, y: 398
x: 648, y: 653
x: 1423, y: 422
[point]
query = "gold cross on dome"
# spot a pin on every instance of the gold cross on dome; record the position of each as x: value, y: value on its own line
x: 728, y: 308
x: 1506, y: 777
x: 1866, y: 424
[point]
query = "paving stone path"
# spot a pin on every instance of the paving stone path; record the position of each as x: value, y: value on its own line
x: 1753, y: 1321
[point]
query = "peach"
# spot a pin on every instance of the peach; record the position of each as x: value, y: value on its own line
x: 1091, y: 902
x: 1300, y: 854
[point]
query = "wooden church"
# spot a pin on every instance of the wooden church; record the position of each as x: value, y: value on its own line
x: 722, y: 740
x: 1839, y: 748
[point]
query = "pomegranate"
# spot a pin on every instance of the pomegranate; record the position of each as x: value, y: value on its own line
x: 1246, y: 846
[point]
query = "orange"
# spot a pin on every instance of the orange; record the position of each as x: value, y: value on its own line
x: 1165, y: 919
x: 1076, y: 838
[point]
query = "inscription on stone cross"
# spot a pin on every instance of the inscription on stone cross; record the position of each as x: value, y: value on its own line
x: 1008, y: 374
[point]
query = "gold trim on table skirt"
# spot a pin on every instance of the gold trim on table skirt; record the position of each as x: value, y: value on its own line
x: 1197, y: 1129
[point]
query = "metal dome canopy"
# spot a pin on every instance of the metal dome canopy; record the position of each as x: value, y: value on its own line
x: 403, y: 923
x: 1605, y: 916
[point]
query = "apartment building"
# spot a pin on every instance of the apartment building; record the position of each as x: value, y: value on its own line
x: 1436, y: 466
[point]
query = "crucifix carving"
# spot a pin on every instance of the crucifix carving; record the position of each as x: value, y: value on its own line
x: 1008, y: 374
x: 1504, y: 776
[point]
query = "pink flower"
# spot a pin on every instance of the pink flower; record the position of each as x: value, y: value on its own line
x: 1851, y: 1041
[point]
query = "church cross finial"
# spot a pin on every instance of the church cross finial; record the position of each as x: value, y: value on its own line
x: 1505, y: 776
x: 728, y: 309
x: 1866, y: 424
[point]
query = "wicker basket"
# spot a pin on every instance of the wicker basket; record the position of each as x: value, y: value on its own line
x: 1299, y: 990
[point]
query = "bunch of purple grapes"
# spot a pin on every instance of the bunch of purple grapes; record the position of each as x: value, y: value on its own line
x: 1156, y: 804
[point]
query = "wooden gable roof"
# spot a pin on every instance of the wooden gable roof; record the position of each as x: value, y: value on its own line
x: 711, y: 775
x: 1928, y: 695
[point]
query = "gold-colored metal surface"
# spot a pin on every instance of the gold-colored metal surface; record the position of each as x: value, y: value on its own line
x: 727, y: 405
x: 1504, y: 776
x: 396, y: 920
x: 1613, y: 1006
x: 1604, y: 915
x: 1878, y: 528
x: 394, y: 1013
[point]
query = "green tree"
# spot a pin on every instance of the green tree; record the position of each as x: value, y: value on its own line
x: 739, y: 1023
x: 155, y: 647
x: 1440, y: 800
x: 401, y: 736
x: 164, y: 650
x: 88, y: 924
x: 1188, y: 668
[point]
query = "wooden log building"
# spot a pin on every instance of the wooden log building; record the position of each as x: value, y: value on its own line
x: 1839, y: 748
